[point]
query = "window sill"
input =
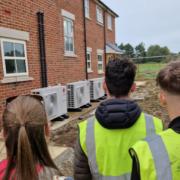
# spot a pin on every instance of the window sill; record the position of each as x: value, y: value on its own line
x: 14, y: 79
x: 100, y: 24
x: 90, y: 71
x: 100, y: 72
x: 88, y: 18
x: 110, y: 29
x: 70, y: 55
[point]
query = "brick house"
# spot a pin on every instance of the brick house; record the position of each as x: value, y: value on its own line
x: 46, y: 42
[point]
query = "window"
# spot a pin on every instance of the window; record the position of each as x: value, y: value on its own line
x: 68, y: 36
x: 89, y: 63
x: 109, y: 22
x: 99, y: 14
x: 86, y: 2
x: 14, y: 57
x: 100, y: 63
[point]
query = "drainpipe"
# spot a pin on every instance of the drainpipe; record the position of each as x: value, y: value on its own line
x: 105, y: 38
x: 42, y: 49
x: 85, y: 41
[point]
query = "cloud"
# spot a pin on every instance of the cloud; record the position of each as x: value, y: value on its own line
x: 150, y: 21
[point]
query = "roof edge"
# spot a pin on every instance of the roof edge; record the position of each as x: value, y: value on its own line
x: 108, y: 8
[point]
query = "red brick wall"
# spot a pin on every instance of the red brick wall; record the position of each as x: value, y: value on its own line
x: 60, y: 69
x: 110, y: 34
x: 95, y: 37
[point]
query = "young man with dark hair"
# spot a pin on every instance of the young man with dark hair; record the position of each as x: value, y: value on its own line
x: 158, y: 157
x: 104, y: 140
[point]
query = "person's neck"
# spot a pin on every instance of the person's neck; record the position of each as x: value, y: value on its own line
x: 120, y: 98
x: 174, y: 111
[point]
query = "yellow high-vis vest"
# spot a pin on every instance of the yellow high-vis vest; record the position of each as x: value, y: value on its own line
x: 159, y: 156
x: 107, y: 149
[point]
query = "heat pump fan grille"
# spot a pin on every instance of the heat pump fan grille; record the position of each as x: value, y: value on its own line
x: 91, y: 89
x: 71, y: 96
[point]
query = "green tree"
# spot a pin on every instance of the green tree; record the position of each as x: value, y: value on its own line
x: 156, y: 50
x: 140, y: 50
x: 128, y: 49
x: 121, y: 46
x: 165, y: 51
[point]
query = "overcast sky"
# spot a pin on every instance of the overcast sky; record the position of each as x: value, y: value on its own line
x: 148, y: 21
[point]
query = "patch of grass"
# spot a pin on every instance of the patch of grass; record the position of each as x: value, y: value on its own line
x: 148, y: 70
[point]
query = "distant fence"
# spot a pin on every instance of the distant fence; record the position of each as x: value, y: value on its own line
x: 148, y: 67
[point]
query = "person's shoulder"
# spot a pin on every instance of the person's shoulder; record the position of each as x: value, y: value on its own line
x: 3, y: 165
x: 158, y: 123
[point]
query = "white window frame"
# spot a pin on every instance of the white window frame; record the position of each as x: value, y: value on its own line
x: 100, y: 53
x: 99, y: 15
x: 7, y: 57
x: 87, y: 8
x: 89, y: 51
x: 109, y: 22
x: 71, y: 53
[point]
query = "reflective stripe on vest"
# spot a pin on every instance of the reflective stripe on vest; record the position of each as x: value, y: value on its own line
x: 160, y: 157
x: 150, y: 127
x: 91, y: 149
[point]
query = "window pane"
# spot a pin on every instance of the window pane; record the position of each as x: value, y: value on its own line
x: 10, y: 66
x: 88, y: 56
x: 109, y: 22
x: 19, y: 50
x: 8, y: 49
x: 87, y: 8
x: 71, y: 44
x: 89, y: 65
x: 70, y: 29
x: 99, y: 58
x: 21, y: 66
x: 66, y: 44
x: 65, y: 28
x: 100, y: 67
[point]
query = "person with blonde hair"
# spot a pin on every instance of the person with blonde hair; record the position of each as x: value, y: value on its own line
x: 25, y: 127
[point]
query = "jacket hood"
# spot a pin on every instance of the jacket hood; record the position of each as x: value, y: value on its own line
x: 118, y: 113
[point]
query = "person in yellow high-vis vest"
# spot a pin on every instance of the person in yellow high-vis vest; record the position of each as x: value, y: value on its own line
x: 102, y: 148
x: 158, y: 157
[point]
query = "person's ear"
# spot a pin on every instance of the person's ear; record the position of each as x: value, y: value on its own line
x: 105, y: 88
x: 162, y: 98
x: 133, y: 88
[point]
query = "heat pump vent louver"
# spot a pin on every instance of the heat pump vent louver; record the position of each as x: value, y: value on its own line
x: 96, y: 88
x: 78, y: 94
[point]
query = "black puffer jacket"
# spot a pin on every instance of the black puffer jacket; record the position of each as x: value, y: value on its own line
x: 111, y: 114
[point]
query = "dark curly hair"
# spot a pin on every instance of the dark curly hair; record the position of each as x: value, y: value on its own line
x: 119, y: 76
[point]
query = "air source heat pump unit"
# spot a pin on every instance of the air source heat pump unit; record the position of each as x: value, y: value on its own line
x: 96, y: 88
x: 55, y: 100
x: 78, y: 94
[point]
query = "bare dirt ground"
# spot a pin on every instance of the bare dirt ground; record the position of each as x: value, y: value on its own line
x: 149, y: 102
